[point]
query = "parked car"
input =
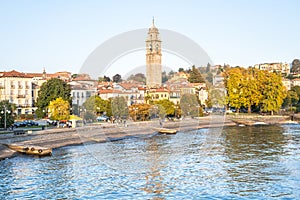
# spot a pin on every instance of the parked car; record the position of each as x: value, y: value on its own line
x: 30, y: 123
x: 19, y: 124
x: 102, y: 118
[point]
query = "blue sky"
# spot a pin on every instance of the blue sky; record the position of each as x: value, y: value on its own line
x: 59, y: 35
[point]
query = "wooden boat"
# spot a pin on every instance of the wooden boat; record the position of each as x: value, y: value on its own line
x: 166, y: 130
x: 30, y: 149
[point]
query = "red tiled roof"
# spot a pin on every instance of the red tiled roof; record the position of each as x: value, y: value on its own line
x: 108, y: 91
x: 15, y: 73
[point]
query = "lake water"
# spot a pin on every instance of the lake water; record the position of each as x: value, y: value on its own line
x: 259, y: 162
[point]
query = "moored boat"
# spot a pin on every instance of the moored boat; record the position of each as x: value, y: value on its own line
x: 30, y: 149
x: 166, y: 130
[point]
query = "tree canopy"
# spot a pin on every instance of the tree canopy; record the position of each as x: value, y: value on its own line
x: 49, y: 91
x: 104, y: 79
x: 139, y: 111
x: 195, y: 76
x: 253, y: 87
x: 138, y: 77
x: 117, y: 78
x: 189, y: 105
x: 165, y: 107
x: 119, y: 107
x: 59, y: 109
x: 96, y: 104
x: 295, y: 66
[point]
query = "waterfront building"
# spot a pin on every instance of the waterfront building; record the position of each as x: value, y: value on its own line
x: 153, y: 58
x: 22, y: 88
x: 16, y: 87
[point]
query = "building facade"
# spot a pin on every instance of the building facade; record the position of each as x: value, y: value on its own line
x: 22, y: 89
x: 16, y: 87
x: 283, y: 68
x: 153, y: 58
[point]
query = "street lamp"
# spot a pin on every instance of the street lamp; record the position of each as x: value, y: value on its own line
x: 4, y: 112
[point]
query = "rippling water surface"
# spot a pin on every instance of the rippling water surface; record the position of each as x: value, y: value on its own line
x: 260, y: 162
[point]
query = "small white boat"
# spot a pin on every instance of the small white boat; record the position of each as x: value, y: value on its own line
x: 259, y: 123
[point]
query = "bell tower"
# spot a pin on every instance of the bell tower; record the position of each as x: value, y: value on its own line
x: 153, y: 57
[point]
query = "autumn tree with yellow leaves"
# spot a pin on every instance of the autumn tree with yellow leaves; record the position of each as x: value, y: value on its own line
x: 59, y: 109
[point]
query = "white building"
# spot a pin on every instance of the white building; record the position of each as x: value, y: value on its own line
x: 283, y: 68
x: 16, y: 87
x: 82, y: 88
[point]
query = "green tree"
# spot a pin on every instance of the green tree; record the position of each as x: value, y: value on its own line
x: 119, y: 107
x: 195, y: 76
x: 139, y: 77
x: 273, y: 92
x: 166, y: 107
x: 74, y: 76
x: 208, y: 66
x: 189, y: 105
x: 164, y: 77
x: 49, y: 91
x: 59, y: 109
x: 180, y: 69
x: 291, y: 99
x: 104, y: 79
x: 97, y: 105
x: 209, y: 77
x: 296, y: 89
x: 217, y: 98
x: 117, y: 78
x: 7, y: 107
x: 295, y: 66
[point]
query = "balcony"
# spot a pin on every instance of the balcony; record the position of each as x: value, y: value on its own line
x: 21, y: 96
